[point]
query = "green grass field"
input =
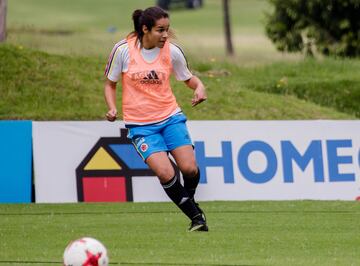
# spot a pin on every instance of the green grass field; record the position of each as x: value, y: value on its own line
x: 241, y: 233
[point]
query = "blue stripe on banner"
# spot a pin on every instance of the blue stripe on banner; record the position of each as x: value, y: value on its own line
x: 15, y: 161
x: 128, y: 154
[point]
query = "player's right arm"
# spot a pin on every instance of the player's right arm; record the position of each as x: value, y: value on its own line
x: 110, y: 98
x: 116, y: 64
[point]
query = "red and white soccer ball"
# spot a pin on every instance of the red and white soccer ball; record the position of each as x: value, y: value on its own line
x: 85, y: 251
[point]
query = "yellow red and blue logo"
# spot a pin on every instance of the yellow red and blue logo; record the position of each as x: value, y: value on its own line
x: 105, y: 174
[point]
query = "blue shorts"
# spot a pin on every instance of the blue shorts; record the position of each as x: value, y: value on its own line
x: 163, y: 136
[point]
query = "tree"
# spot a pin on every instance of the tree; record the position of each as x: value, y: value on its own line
x: 229, y: 46
x: 3, y: 4
x: 332, y: 27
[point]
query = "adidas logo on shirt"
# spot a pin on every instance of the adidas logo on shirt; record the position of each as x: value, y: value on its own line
x: 151, y: 78
x: 152, y: 75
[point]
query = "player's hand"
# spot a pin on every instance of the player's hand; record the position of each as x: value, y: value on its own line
x: 199, y: 96
x: 111, y: 115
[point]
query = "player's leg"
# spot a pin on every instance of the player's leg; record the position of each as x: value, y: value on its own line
x: 177, y: 139
x: 153, y: 150
x: 185, y: 160
x: 160, y: 163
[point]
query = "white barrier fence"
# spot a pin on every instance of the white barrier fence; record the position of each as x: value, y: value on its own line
x: 239, y: 160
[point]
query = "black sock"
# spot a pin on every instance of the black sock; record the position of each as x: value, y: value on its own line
x: 191, y: 183
x: 180, y: 197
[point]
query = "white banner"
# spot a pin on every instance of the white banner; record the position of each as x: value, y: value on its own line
x: 58, y: 148
x: 239, y: 160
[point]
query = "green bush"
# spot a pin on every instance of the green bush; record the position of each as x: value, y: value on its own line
x: 332, y: 27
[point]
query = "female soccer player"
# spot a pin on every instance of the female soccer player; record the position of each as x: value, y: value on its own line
x: 155, y: 122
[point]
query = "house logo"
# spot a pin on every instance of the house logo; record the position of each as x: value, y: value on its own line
x: 105, y: 174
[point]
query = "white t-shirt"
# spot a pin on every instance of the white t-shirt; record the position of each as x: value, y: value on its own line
x: 119, y: 59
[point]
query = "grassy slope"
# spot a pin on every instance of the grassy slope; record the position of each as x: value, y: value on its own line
x: 35, y: 85
x: 282, y: 90
x: 241, y: 233
x: 39, y: 86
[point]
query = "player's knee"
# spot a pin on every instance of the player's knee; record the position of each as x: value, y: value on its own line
x: 189, y: 170
x: 165, y: 174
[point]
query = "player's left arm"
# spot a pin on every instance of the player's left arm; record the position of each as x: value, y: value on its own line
x: 196, y: 84
x: 182, y: 73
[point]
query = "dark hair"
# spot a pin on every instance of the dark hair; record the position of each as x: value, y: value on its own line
x: 147, y: 17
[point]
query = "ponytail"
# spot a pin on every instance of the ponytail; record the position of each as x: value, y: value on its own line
x: 136, y: 16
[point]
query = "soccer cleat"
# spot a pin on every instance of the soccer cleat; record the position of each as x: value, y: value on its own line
x: 200, y: 210
x: 198, y: 224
